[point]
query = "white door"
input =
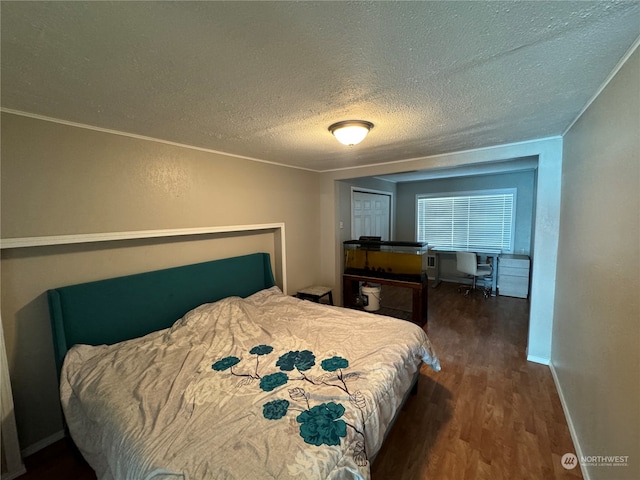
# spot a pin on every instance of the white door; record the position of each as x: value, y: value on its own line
x: 370, y: 215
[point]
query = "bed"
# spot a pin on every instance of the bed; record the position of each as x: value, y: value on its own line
x: 209, y: 371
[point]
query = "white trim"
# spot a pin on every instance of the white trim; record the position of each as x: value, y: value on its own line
x: 27, y: 242
x: 143, y: 137
x: 15, y: 474
x: 9, y: 434
x: 469, y: 193
x: 606, y: 82
x: 283, y: 256
x: 572, y: 430
x: 540, y: 360
x: 44, y: 443
x: 370, y: 190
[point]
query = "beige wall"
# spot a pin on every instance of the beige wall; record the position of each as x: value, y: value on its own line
x: 59, y: 179
x: 595, y: 352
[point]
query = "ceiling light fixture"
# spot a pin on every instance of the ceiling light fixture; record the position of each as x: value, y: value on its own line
x: 351, y: 132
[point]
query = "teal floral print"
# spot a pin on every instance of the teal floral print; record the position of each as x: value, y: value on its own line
x: 301, y: 361
x: 225, y: 363
x: 321, y: 424
x: 261, y: 350
x: 275, y: 410
x: 275, y: 380
x: 334, y: 363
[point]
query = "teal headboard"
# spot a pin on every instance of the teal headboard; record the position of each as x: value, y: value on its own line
x: 117, y: 309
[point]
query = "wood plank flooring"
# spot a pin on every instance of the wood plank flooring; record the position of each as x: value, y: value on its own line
x: 489, y: 414
x: 59, y: 461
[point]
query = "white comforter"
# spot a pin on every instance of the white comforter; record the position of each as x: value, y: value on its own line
x: 264, y: 387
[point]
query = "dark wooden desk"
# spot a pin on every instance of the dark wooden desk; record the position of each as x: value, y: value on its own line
x: 350, y: 287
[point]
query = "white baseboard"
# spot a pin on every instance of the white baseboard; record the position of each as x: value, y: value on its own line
x: 567, y: 416
x: 14, y: 474
x: 534, y: 359
x: 45, y: 442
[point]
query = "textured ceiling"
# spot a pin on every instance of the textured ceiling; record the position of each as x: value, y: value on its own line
x: 265, y: 79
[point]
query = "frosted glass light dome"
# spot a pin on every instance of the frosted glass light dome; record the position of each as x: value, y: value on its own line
x: 351, y: 132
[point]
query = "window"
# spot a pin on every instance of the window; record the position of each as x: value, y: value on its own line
x: 479, y: 220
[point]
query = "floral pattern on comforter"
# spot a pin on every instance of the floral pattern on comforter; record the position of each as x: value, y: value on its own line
x: 264, y: 387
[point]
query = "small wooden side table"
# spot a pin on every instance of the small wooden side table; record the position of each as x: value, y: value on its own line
x: 315, y: 293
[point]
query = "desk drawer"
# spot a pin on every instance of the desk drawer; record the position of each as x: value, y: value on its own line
x: 513, y: 286
x: 513, y: 271
x: 517, y: 261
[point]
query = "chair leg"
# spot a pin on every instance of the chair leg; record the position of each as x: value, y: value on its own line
x: 468, y: 288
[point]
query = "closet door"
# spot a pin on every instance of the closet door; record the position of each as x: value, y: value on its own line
x: 370, y: 214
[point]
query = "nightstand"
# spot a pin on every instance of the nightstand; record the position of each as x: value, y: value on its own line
x: 315, y: 293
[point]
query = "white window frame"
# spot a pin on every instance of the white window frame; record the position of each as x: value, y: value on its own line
x: 502, y: 191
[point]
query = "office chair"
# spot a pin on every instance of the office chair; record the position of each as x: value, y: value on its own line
x: 467, y: 262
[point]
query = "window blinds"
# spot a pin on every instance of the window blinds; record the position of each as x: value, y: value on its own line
x: 473, y: 222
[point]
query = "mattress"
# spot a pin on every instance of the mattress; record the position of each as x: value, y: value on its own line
x: 268, y: 386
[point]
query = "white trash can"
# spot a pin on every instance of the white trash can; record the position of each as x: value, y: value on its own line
x: 371, y: 294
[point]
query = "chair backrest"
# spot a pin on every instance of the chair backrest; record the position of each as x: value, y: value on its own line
x: 467, y: 262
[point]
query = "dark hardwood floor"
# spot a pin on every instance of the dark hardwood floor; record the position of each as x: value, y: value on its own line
x: 59, y: 461
x: 489, y: 414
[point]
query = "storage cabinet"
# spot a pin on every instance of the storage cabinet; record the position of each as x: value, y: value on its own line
x: 513, y: 275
